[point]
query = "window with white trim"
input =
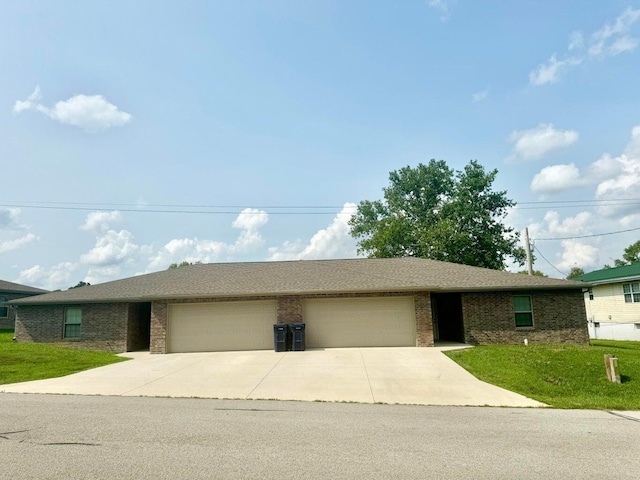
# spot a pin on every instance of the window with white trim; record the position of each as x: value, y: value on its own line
x: 72, y: 322
x: 4, y: 307
x: 522, y: 311
x: 631, y: 292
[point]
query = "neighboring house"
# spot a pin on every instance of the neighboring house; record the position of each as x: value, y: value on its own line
x: 344, y: 303
x: 612, y: 302
x: 11, y: 291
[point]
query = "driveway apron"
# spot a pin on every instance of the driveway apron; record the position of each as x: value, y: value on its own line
x: 423, y: 376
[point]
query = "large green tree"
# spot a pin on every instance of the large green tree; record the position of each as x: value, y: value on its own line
x: 432, y: 211
x: 630, y: 256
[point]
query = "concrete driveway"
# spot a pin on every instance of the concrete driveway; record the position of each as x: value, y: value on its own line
x: 365, y: 375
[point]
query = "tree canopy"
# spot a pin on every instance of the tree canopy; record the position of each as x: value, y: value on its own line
x: 575, y: 273
x: 184, y: 263
x: 432, y: 211
x: 80, y: 284
x: 630, y: 256
x: 536, y: 273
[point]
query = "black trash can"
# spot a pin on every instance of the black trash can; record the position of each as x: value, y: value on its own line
x: 296, y: 331
x: 281, y: 337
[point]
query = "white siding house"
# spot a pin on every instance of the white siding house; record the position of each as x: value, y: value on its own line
x: 612, y: 303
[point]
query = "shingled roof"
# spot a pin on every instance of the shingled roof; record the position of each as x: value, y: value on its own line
x: 17, y: 288
x: 301, y: 277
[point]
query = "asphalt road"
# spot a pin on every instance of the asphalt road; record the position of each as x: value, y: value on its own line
x: 76, y: 437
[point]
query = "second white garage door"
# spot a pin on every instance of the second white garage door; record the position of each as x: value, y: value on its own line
x: 221, y: 326
x: 360, y: 322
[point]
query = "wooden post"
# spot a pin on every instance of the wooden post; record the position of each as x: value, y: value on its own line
x: 527, y: 247
x: 612, y: 368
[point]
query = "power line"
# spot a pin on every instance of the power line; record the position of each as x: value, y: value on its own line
x: 589, y: 236
x: 147, y: 210
x: 542, y: 204
x: 564, y: 275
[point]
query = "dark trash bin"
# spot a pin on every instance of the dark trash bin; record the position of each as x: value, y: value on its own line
x: 296, y: 332
x: 281, y: 337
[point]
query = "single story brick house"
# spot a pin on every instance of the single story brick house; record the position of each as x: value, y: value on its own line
x: 344, y: 303
x: 612, y: 302
x: 11, y: 291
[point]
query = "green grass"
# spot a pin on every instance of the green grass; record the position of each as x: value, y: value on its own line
x: 562, y: 376
x: 22, y: 362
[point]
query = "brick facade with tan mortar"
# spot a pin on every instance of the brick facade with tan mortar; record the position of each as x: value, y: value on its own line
x: 559, y: 316
x: 9, y: 321
x: 104, y: 326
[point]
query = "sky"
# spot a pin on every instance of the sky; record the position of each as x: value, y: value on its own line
x: 138, y: 134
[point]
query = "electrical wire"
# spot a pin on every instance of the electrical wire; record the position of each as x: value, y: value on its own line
x: 564, y: 275
x: 589, y: 236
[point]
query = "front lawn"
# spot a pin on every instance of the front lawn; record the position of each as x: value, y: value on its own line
x: 562, y: 376
x: 22, y: 362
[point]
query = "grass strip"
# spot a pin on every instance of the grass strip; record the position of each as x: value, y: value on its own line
x: 22, y: 362
x: 562, y: 376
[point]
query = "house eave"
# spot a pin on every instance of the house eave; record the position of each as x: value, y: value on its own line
x: 282, y: 293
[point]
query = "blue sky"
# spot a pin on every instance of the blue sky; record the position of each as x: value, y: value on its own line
x: 113, y: 113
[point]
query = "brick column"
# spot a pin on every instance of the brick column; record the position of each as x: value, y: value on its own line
x: 290, y: 309
x: 158, y: 343
x: 424, y: 320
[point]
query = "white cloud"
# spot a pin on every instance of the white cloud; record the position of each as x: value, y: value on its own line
x: 249, y: 221
x: 29, y: 103
x: 570, y: 226
x: 480, y: 96
x: 444, y: 6
x: 577, y: 254
x: 331, y: 242
x: 10, y: 245
x: 573, y: 252
x: 556, y: 179
x: 610, y: 40
x: 551, y: 70
x: 9, y: 218
x: 576, y: 41
x: 102, y: 274
x: 111, y: 248
x: 616, y: 178
x: 92, y: 113
x: 58, y: 276
x: 97, y: 222
x: 534, y: 143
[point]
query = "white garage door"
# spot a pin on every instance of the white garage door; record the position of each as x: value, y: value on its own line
x: 213, y: 327
x: 360, y: 322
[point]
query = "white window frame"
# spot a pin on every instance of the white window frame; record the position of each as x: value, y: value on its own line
x: 631, y: 292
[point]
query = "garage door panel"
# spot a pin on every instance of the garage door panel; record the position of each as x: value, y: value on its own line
x: 360, y: 322
x: 222, y: 326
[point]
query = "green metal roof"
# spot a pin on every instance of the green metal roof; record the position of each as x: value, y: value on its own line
x: 608, y: 274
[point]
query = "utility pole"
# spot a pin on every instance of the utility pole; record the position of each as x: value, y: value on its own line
x: 527, y: 246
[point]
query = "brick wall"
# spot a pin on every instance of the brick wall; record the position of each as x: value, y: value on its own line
x: 158, y: 342
x: 290, y: 309
x: 558, y: 317
x: 9, y: 321
x: 104, y: 326
x: 424, y: 319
